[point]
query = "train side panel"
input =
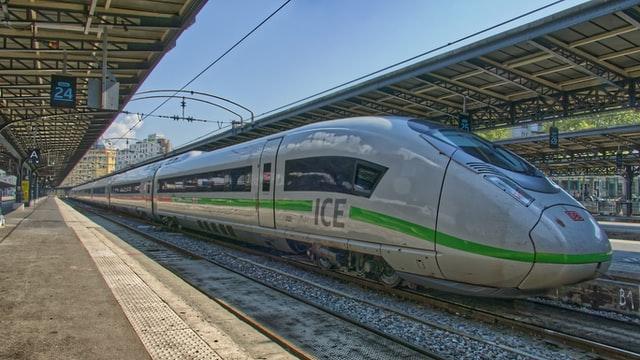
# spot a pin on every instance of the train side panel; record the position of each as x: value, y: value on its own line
x: 100, y: 192
x: 131, y: 190
x: 210, y: 189
x: 343, y: 213
x: 483, y: 236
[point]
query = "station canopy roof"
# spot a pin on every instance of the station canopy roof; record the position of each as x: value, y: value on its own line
x: 583, y: 60
x: 37, y: 37
x: 587, y: 152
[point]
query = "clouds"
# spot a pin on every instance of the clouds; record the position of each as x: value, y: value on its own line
x: 118, y: 129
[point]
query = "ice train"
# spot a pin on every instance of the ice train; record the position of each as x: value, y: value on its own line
x: 390, y: 198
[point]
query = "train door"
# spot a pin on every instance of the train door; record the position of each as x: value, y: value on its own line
x: 154, y: 192
x: 147, y: 195
x: 266, y: 186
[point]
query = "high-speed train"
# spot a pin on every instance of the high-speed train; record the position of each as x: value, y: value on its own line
x: 390, y: 198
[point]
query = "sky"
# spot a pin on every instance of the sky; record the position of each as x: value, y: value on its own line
x: 309, y: 46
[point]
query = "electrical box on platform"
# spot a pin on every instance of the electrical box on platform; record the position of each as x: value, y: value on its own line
x: 104, y: 96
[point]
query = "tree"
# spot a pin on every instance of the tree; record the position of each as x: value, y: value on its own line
x: 582, y: 122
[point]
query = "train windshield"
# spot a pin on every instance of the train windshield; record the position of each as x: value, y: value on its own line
x: 485, y: 151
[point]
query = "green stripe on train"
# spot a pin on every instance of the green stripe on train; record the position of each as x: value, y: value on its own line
x: 294, y: 205
x: 227, y: 202
x: 392, y: 223
x: 291, y: 205
x: 552, y: 258
x: 453, y: 242
x: 185, y: 200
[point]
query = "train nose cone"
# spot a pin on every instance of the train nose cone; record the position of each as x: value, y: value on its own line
x: 570, y: 247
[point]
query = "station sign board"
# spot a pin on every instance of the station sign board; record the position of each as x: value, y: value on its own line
x: 63, y: 91
x: 554, y: 139
x: 464, y: 122
x: 34, y: 156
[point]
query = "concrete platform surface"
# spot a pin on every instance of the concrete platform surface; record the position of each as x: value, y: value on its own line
x: 70, y: 290
x: 621, y: 230
x: 626, y: 258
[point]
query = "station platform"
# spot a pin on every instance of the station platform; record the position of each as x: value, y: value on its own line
x: 626, y: 258
x: 70, y: 290
x: 621, y: 230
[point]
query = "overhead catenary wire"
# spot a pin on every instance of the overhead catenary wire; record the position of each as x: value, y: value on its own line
x: 220, y: 123
x: 210, y: 65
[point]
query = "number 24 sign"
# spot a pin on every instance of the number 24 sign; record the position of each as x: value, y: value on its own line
x: 63, y: 91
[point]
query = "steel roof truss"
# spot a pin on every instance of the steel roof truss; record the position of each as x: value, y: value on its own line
x: 589, y: 65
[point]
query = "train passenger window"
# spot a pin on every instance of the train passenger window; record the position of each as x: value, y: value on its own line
x: 213, y: 181
x: 324, y: 173
x: 266, y: 177
x: 241, y: 179
x: 367, y: 177
x: 126, y: 188
x: 99, y: 190
x: 332, y: 174
x: 237, y: 179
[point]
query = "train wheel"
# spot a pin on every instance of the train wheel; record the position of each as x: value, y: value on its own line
x: 298, y: 247
x: 325, y: 263
x: 389, y: 277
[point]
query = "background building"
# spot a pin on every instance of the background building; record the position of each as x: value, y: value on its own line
x: 7, y: 185
x: 153, y: 145
x: 98, y: 161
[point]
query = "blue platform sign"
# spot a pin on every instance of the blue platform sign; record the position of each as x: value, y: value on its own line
x: 554, y: 138
x: 63, y: 91
x: 464, y: 122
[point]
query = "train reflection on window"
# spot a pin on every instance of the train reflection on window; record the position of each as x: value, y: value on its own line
x: 126, y: 189
x: 238, y: 179
x: 332, y: 174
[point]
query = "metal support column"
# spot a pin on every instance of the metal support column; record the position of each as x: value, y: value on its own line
x: 628, y: 190
x: 29, y: 176
x: 18, y: 198
x: 36, y: 186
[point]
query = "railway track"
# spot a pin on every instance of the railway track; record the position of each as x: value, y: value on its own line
x: 518, y: 316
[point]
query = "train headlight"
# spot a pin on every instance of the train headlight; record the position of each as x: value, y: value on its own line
x: 510, y: 188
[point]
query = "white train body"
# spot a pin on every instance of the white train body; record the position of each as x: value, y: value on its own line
x: 440, y: 207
